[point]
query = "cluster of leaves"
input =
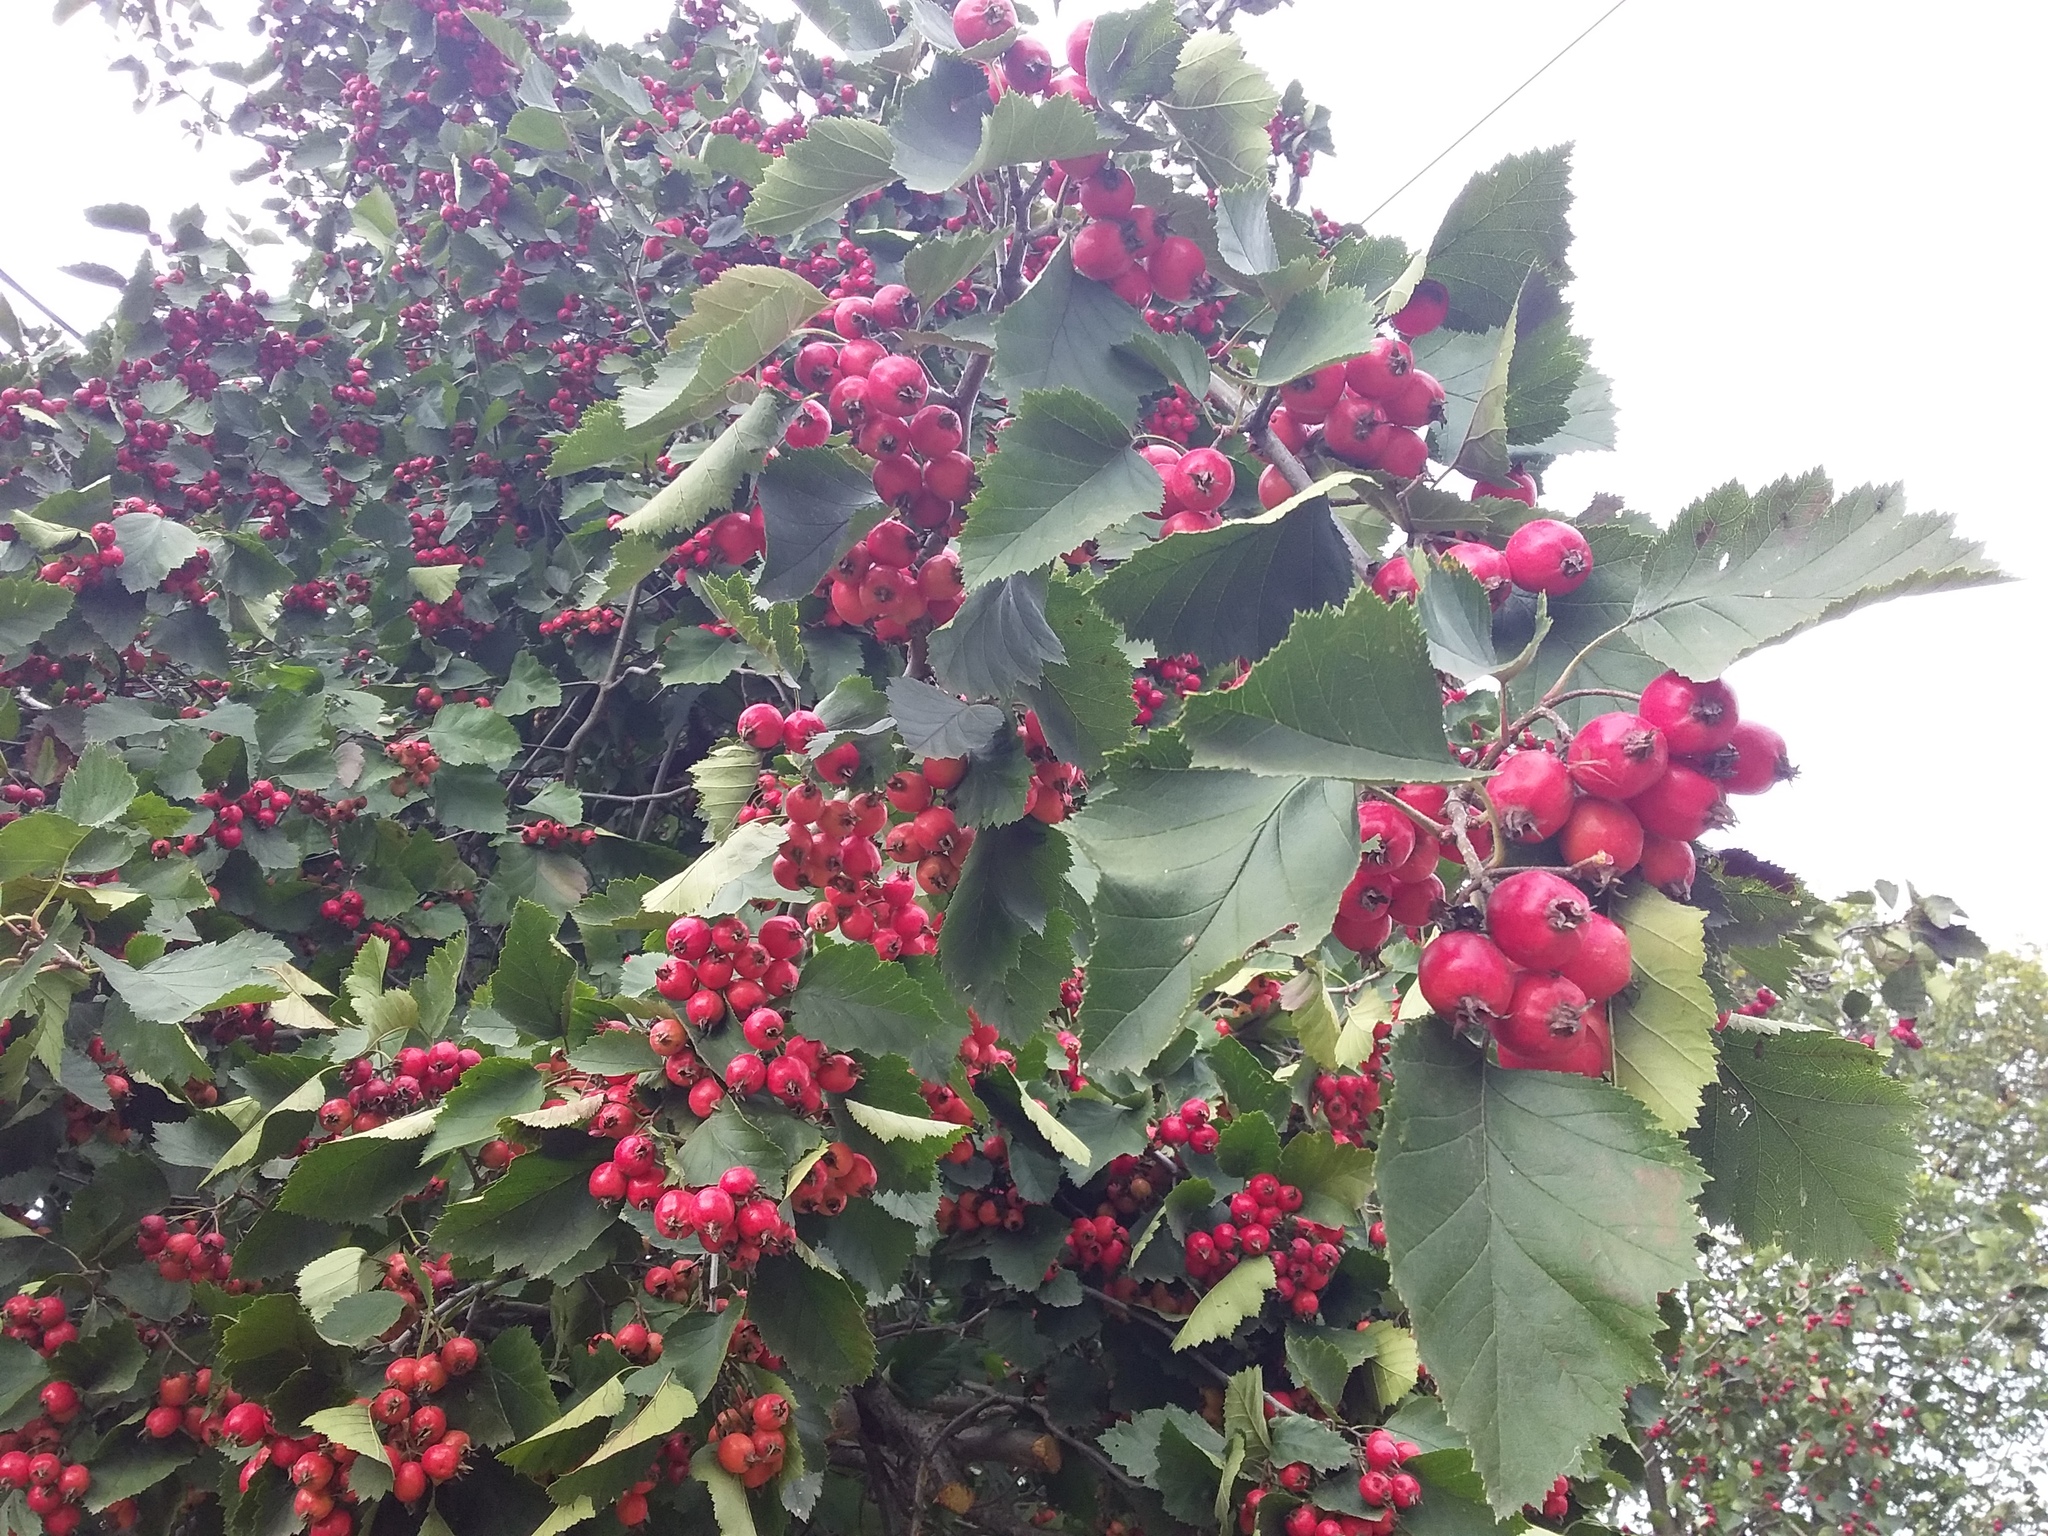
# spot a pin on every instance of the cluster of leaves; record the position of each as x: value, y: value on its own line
x: 530, y: 346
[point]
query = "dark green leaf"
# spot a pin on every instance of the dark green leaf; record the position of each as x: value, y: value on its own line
x: 937, y: 262
x: 1196, y: 867
x: 1067, y: 472
x: 1064, y: 334
x: 1807, y: 1143
x: 1349, y: 694
x: 810, y: 498
x: 1132, y: 54
x: 536, y: 1216
x: 1221, y: 103
x: 357, y: 1178
x: 1315, y: 329
x: 1233, y: 591
x: 1507, y: 220
x: 937, y: 130
x: 851, y: 999
x: 493, y: 1090
x: 933, y: 723
x: 531, y: 986
x: 98, y: 788
x: 1000, y: 639
x: 1244, y: 228
x: 205, y: 976
x: 1084, y: 702
x: 1532, y: 1219
x: 713, y: 478
x: 813, y: 1320
x: 837, y: 160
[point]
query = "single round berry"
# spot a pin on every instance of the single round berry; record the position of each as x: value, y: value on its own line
x: 1535, y: 918
x: 1532, y: 794
x: 1543, y: 1016
x: 1617, y: 756
x: 1550, y: 557
x: 1425, y: 310
x: 1604, y: 836
x: 1466, y: 978
x: 1681, y: 805
x: 1753, y: 760
x: 1601, y: 968
x: 1696, y: 718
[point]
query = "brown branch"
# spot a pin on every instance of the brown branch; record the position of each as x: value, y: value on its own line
x: 606, y: 684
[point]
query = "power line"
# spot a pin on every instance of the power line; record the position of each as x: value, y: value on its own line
x: 39, y: 304
x: 1511, y: 95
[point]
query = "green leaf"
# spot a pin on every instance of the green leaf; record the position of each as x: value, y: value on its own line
x: 464, y: 734
x: 725, y: 155
x: 534, y: 981
x: 1456, y: 618
x: 470, y: 799
x: 770, y: 1144
x: 1807, y: 1143
x: 1395, y: 1360
x: 358, y: 1178
x: 1349, y: 695
x: 713, y: 478
x: 1663, y: 1025
x: 1481, y: 437
x: 1736, y: 573
x: 1008, y: 893
x: 501, y: 35
x: 29, y: 609
x: 852, y: 999
x: 730, y: 1509
x: 810, y: 498
x: 600, y: 438
x: 893, y: 1125
x: 1244, y: 1409
x: 154, y: 546
x: 1246, y: 1082
x: 933, y: 266
x: 1084, y: 701
x: 98, y: 788
x: 724, y: 878
x: 122, y: 1471
x: 1244, y: 228
x: 1507, y: 220
x: 1299, y: 1438
x: 1178, y: 356
x: 813, y: 1320
x: 535, y: 1216
x: 1334, y: 1177
x: 356, y: 1320
x: 1132, y: 54
x: 1322, y: 1359
x: 999, y: 641
x: 837, y: 160
x: 936, y: 133
x: 1315, y: 329
x: 861, y: 26
x: 492, y: 1091
x: 541, y: 129
x: 1248, y: 1145
x: 933, y: 723
x: 1066, y: 472
x: 1063, y: 334
x: 37, y: 844
x: 1369, y: 262
x: 724, y: 779
x: 1196, y: 867
x: 1063, y: 1140
x: 349, y: 1425
x: 517, y: 1380
x: 772, y: 632
x: 1021, y: 130
x: 1233, y: 591
x: 1221, y: 103
x: 191, y: 981
x: 1532, y: 1219
x: 1237, y: 1296
x: 529, y: 686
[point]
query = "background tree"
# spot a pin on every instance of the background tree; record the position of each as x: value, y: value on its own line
x: 728, y: 829
x: 1913, y: 1388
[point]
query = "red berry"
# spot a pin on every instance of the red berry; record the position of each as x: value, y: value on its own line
x: 1027, y: 66
x: 1394, y: 580
x: 1393, y: 829
x: 1681, y: 805
x: 1379, y: 370
x: 1549, y: 556
x: 1519, y: 486
x: 1177, y: 268
x: 1201, y: 480
x: 1100, y: 253
x: 1532, y: 794
x: 1535, y: 918
x: 1465, y: 978
x: 1487, y: 565
x: 1753, y: 760
x: 1425, y: 310
x: 1108, y: 193
x: 1696, y: 718
x: 1617, y: 756
x: 1348, y: 432
x: 1604, y: 831
x: 1669, y: 865
x: 1601, y: 967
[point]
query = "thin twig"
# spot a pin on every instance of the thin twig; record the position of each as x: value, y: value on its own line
x: 606, y: 684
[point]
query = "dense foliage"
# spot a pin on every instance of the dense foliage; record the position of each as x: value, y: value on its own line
x: 730, y: 827
x: 1910, y: 1389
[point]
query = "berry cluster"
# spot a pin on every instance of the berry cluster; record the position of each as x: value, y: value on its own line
x: 1557, y: 1503
x: 1197, y: 481
x: 417, y: 762
x: 792, y: 1070
x: 186, y: 1253
x: 547, y: 833
x: 77, y: 572
x: 731, y: 538
x: 635, y: 1340
x: 1177, y: 676
x: 1265, y: 1219
x: 749, y: 1437
x: 1368, y: 410
x: 1055, y: 787
x: 1124, y: 243
x: 731, y: 1217
x: 419, y: 1076
x: 1258, y: 999
x: 836, y: 847
x: 1396, y: 878
x: 887, y: 583
x: 41, y: 1322
x: 584, y: 623
x: 1349, y: 1099
x: 1096, y: 1245
x: 671, y: 1464
x: 431, y: 699
x: 55, y: 1489
x: 418, y: 1443
x: 840, y: 1174
x: 767, y: 729
x: 321, y: 1494
x: 1543, y: 555
x: 725, y: 966
x: 345, y: 909
x: 1187, y: 1127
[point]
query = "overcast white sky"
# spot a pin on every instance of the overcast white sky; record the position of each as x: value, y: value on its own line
x: 1804, y: 234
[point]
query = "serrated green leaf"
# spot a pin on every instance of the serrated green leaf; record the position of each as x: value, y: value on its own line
x: 538, y: 128
x: 713, y: 478
x: 1132, y: 54
x: 999, y: 641
x: 536, y: 1215
x: 494, y: 1090
x: 1395, y: 1360
x: 813, y: 1320
x: 772, y: 633
x: 1063, y: 1140
x: 1736, y: 573
x: 191, y: 981
x: 725, y: 155
x: 1066, y: 472
x: 1508, y: 219
x: 1022, y: 130
x: 933, y: 723
x: 1084, y: 699
x: 852, y: 999
x: 98, y: 788
x: 1807, y: 1143
x: 1244, y: 228
x: 837, y: 160
x: 724, y: 779
x: 1063, y: 334
x: 532, y: 984
x: 1322, y: 1359
x: 1235, y: 590
x: 933, y: 266
x: 1237, y: 1296
x: 811, y: 499
x: 1349, y: 694
x: 722, y: 879
x: 1663, y: 1026
x: 730, y: 1510
x: 1012, y: 881
x: 892, y: 1125
x: 464, y: 734
x: 1532, y: 1220
x: 1195, y: 868
x: 1315, y: 329
x: 1221, y: 103
x: 29, y: 609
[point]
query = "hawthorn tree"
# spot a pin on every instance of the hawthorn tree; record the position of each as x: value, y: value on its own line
x: 1911, y: 1386
x: 730, y: 826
